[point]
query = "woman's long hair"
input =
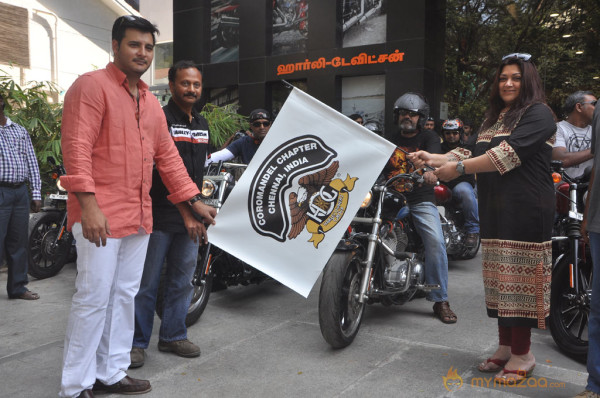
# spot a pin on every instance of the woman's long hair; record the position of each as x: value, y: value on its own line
x: 531, y: 92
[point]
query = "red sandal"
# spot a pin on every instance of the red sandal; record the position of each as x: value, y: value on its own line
x: 496, y: 361
x: 520, y: 376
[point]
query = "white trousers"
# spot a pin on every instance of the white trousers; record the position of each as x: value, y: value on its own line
x: 102, y: 319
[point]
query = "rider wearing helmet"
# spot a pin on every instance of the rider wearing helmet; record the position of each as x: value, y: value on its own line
x: 246, y: 146
x: 430, y: 123
x: 462, y: 187
x: 410, y: 113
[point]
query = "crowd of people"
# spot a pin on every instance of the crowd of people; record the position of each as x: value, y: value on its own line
x: 114, y: 129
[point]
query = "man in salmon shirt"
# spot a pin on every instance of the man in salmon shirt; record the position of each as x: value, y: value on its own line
x: 113, y: 131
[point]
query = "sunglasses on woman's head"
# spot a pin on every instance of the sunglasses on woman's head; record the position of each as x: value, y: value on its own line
x: 521, y: 56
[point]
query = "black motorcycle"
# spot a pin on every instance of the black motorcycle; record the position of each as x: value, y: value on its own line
x: 571, y: 291
x: 379, y: 260
x: 51, y: 246
x: 453, y: 225
x: 216, y: 269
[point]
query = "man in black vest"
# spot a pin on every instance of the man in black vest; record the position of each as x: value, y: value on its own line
x: 176, y: 232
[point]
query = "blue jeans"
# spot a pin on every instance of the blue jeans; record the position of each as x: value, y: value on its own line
x: 14, y: 224
x: 593, y: 362
x: 427, y: 222
x: 464, y: 194
x: 181, y: 254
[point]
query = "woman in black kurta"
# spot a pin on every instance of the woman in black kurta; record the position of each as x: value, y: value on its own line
x: 516, y: 208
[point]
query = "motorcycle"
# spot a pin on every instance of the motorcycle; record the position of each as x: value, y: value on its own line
x: 380, y: 259
x: 453, y: 225
x: 290, y: 14
x: 571, y: 289
x: 51, y: 246
x: 215, y: 268
x: 226, y: 24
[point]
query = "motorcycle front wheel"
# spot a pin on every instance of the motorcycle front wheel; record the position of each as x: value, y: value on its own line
x: 340, y: 312
x: 47, y: 255
x: 570, y: 309
x: 202, y: 289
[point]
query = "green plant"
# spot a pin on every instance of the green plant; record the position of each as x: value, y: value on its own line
x: 29, y: 107
x: 223, y: 122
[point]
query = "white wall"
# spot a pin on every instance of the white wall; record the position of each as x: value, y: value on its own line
x: 80, y: 32
x: 160, y: 13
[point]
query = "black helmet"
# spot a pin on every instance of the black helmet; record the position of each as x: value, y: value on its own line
x: 412, y: 102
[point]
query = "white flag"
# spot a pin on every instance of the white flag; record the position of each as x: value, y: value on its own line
x: 307, y: 180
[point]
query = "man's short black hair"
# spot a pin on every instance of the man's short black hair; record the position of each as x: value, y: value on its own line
x: 355, y: 116
x: 179, y: 65
x: 131, y: 21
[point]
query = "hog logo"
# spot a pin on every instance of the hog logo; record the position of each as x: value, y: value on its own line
x: 302, y: 171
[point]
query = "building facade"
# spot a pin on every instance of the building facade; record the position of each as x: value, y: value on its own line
x: 357, y: 56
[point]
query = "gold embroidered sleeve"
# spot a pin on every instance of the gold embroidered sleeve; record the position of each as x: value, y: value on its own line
x: 504, y: 157
x: 458, y: 154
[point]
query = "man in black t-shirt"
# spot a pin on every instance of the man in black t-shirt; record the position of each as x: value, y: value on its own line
x: 176, y: 232
x: 410, y: 113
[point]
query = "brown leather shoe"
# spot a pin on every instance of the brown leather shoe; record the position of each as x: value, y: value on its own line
x: 138, y: 357
x: 28, y: 295
x: 86, y: 394
x: 472, y: 240
x: 183, y: 348
x: 442, y: 310
x: 126, y: 386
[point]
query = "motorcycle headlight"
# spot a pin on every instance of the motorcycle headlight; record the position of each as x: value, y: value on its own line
x: 367, y: 200
x: 208, y: 188
x: 60, y: 187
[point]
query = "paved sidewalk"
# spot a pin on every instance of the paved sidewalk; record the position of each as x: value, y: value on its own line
x: 264, y: 341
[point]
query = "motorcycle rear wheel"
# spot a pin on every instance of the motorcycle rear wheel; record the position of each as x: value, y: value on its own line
x: 570, y: 310
x: 340, y: 312
x: 45, y: 258
x: 202, y: 289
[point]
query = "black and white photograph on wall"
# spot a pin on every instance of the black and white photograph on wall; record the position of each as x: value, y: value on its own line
x: 224, y: 31
x: 364, y: 22
x: 223, y: 96
x: 364, y: 96
x: 290, y: 26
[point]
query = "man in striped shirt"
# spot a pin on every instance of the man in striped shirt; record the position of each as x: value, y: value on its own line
x: 18, y: 167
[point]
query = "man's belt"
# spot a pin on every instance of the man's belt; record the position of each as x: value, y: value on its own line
x: 11, y: 184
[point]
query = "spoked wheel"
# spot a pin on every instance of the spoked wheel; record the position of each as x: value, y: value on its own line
x: 340, y: 312
x: 47, y: 253
x: 570, y: 309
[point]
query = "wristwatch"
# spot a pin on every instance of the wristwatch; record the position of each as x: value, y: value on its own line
x: 195, y: 198
x: 460, y: 167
